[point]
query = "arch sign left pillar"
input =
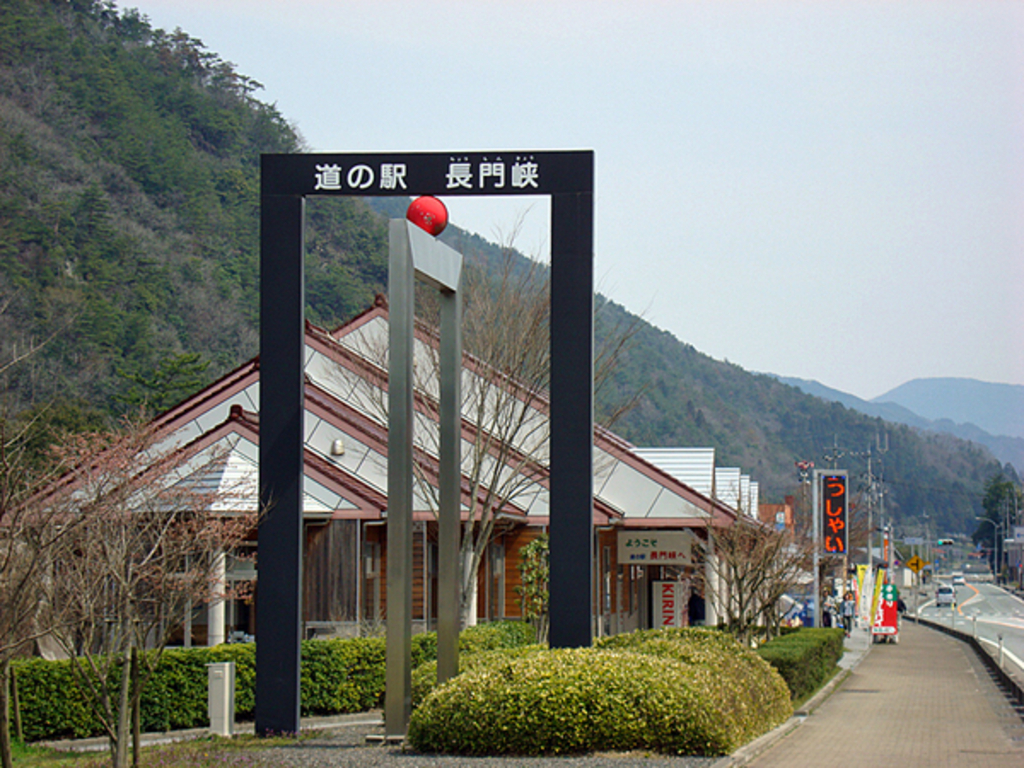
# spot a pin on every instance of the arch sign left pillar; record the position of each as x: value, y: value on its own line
x: 286, y: 180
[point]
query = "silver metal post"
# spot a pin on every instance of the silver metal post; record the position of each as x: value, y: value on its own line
x: 450, y: 485
x: 398, y: 650
x: 414, y: 254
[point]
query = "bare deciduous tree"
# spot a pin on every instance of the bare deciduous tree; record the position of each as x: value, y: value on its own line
x: 141, y: 545
x: 506, y: 339
x: 755, y: 566
x: 27, y: 537
x: 28, y: 540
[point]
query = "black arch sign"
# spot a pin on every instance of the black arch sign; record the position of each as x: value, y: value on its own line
x: 286, y: 180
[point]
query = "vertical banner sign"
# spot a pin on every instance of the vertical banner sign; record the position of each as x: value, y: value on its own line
x: 667, y: 604
x: 886, y: 612
x: 834, y: 514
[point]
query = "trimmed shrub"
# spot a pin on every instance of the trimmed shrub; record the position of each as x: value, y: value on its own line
x: 424, y: 677
x: 342, y: 675
x: 424, y: 648
x: 805, y: 659
x: 476, y: 646
x: 746, y: 690
x: 691, y: 691
x: 496, y: 635
x: 53, y: 706
x: 569, y: 701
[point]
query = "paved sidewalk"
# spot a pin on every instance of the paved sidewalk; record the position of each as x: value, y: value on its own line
x: 928, y: 701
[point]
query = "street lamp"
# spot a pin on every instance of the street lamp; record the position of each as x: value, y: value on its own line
x: 996, y: 537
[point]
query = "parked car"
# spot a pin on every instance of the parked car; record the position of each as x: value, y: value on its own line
x: 945, y: 595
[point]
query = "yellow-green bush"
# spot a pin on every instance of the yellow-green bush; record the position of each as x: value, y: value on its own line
x: 746, y: 689
x: 495, y: 635
x: 568, y: 701
x: 424, y: 677
x: 695, y: 692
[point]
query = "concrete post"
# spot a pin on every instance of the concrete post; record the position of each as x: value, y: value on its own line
x: 220, y: 697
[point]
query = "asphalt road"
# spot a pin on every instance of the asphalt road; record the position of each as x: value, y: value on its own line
x: 988, y: 611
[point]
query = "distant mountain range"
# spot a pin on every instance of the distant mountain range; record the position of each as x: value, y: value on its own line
x: 985, y: 413
x: 995, y: 408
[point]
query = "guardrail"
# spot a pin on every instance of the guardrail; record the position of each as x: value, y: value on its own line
x: 1005, y: 680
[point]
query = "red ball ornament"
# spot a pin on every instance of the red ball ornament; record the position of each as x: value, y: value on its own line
x: 429, y: 214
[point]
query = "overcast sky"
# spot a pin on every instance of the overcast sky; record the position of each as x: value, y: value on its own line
x: 828, y: 190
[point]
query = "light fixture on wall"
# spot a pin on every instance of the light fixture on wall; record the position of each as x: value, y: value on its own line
x: 338, y: 447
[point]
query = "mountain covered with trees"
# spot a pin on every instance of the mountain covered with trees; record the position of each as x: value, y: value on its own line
x: 129, y: 266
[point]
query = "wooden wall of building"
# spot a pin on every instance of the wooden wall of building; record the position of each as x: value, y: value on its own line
x: 330, y: 572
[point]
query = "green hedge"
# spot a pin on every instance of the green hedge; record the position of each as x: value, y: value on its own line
x: 53, y: 707
x: 338, y: 676
x: 806, y: 658
x: 694, y: 692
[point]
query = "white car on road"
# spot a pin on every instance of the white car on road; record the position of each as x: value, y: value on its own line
x: 945, y: 595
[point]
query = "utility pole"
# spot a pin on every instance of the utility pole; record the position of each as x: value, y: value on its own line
x: 837, y: 452
x: 871, y: 505
x: 803, y: 468
x: 881, y: 495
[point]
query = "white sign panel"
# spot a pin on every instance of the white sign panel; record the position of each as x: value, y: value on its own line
x: 667, y: 610
x: 655, y: 547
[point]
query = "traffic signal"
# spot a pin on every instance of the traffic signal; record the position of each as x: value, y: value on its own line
x: 945, y: 542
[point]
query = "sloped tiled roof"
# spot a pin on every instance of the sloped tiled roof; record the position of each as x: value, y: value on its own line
x: 629, y: 490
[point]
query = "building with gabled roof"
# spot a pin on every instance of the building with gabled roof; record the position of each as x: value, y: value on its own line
x: 649, y: 526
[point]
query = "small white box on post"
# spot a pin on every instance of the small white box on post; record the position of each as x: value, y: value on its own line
x: 220, y: 698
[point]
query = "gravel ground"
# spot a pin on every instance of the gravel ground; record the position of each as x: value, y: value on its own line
x: 346, y: 745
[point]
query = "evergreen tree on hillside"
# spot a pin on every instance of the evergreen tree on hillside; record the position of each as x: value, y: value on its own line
x: 129, y: 163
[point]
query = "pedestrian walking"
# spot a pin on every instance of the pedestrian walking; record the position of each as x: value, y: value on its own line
x: 848, y: 608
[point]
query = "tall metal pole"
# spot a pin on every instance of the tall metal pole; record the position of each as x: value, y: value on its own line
x: 816, y: 535
x: 572, y: 420
x: 871, y: 524
x: 414, y: 254
x: 398, y: 648
x: 450, y: 485
x: 282, y: 392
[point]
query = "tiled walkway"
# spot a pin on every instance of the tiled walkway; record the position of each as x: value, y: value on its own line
x: 927, y: 701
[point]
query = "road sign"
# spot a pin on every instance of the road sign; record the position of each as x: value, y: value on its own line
x: 916, y: 564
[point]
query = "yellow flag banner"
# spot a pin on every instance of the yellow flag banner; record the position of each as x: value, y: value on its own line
x: 862, y: 571
x: 879, y: 581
